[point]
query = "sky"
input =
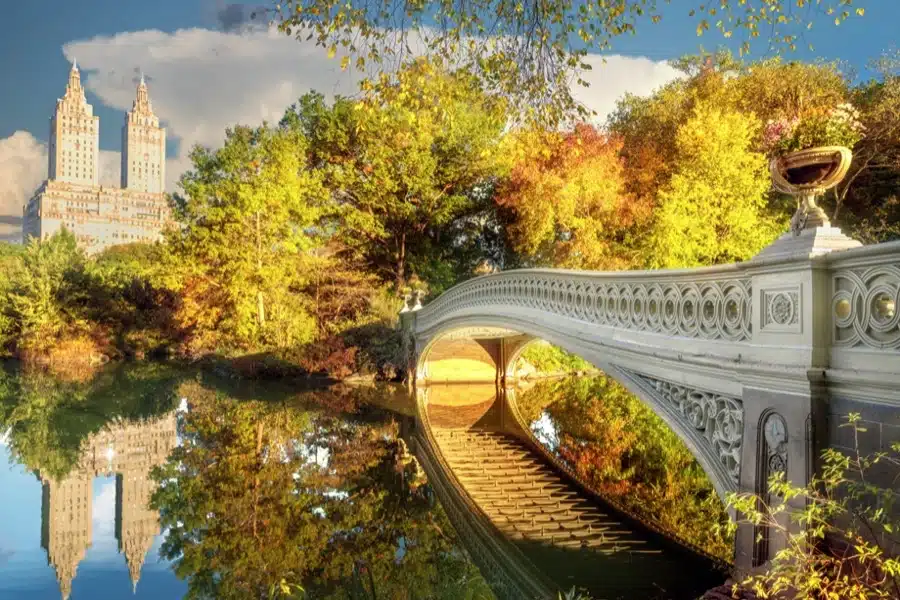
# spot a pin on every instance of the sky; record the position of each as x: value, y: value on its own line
x: 209, y: 68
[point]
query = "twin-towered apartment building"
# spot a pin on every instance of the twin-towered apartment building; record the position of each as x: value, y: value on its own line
x: 72, y: 196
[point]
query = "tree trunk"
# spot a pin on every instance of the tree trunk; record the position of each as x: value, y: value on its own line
x: 260, y: 302
x: 401, y: 261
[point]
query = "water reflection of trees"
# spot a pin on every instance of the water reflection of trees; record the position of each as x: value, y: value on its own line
x: 48, y: 419
x: 624, y: 450
x: 272, y: 489
x: 265, y: 497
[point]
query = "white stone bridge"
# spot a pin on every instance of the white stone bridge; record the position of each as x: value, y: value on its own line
x: 754, y: 365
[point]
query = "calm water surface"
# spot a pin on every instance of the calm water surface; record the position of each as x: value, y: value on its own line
x: 149, y: 482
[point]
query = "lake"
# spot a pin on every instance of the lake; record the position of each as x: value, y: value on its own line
x: 150, y: 481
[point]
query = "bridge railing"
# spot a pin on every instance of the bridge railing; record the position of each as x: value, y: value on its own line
x: 707, y: 303
x: 865, y: 308
x: 848, y: 301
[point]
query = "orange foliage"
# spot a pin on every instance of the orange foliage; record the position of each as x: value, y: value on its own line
x: 566, y: 200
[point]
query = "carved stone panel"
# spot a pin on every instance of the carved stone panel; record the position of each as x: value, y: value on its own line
x: 772, y: 455
x: 775, y: 434
x: 781, y: 309
x: 718, y: 419
x: 865, y: 306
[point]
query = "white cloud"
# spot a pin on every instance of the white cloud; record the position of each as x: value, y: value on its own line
x: 611, y: 79
x: 202, y: 81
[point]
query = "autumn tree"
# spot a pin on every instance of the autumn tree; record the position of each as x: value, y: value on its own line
x: 713, y: 210
x: 867, y: 200
x: 406, y: 169
x: 245, y: 224
x: 767, y: 89
x: 566, y: 200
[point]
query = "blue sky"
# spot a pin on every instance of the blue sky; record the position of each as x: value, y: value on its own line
x: 205, y: 74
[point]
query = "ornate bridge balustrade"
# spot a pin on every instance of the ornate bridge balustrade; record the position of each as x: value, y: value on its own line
x: 752, y: 364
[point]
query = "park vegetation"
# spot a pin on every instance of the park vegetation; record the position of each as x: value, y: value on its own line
x: 291, y: 244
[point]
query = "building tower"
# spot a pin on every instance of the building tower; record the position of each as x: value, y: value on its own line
x: 66, y: 525
x: 74, y: 136
x: 136, y: 523
x: 143, y: 146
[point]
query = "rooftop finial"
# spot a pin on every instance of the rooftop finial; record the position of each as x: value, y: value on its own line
x: 142, y: 77
x: 74, y: 64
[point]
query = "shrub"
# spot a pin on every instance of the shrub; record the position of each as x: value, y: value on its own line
x: 842, y: 542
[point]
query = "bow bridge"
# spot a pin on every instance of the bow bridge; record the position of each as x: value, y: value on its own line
x: 754, y: 365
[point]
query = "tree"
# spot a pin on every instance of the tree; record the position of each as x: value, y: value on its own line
x: 45, y: 296
x: 869, y: 191
x: 713, y: 210
x: 767, y: 89
x: 529, y: 50
x: 246, y: 222
x: 405, y: 168
x: 566, y: 199
x: 130, y: 300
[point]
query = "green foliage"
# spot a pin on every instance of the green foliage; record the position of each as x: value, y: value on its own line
x: 45, y: 295
x: 245, y: 220
x: 130, y: 299
x: 840, y: 530
x: 713, y: 210
x: 547, y: 358
x: 528, y: 51
x: 404, y: 169
x: 622, y: 449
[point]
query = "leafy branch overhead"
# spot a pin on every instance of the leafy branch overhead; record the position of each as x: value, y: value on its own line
x: 532, y: 51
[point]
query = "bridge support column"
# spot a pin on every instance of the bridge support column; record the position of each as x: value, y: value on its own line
x: 511, y: 349
x: 779, y: 437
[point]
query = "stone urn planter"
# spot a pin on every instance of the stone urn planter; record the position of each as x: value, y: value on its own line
x: 806, y: 174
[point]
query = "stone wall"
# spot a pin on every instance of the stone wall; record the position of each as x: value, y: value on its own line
x: 881, y: 423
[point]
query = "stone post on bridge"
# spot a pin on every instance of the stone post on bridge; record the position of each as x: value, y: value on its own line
x: 785, y: 399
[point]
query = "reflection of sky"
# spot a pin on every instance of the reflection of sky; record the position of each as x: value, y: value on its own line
x: 545, y: 431
x: 102, y: 573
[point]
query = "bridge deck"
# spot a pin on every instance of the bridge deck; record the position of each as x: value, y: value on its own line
x: 567, y: 535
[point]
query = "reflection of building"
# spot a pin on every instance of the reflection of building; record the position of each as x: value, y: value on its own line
x: 72, y: 196
x: 129, y: 450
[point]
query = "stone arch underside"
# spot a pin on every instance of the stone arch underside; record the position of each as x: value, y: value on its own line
x: 697, y: 400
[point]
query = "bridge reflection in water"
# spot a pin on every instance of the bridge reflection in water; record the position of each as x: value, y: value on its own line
x: 531, y: 527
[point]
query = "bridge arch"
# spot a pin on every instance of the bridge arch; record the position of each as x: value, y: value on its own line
x: 709, y: 420
x: 808, y: 330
